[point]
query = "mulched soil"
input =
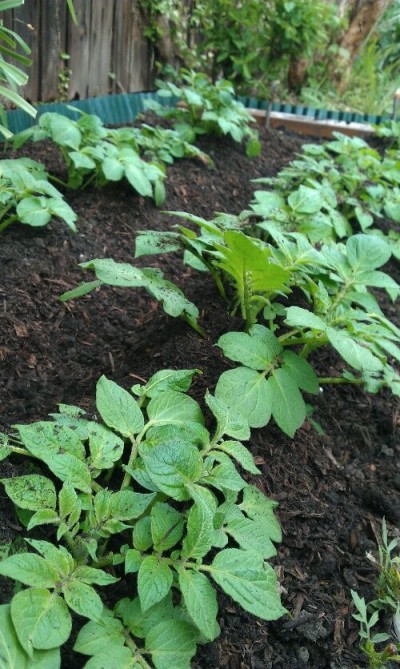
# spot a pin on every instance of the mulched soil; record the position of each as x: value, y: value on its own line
x: 333, y: 490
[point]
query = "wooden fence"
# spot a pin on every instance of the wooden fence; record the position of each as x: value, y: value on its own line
x: 107, y: 50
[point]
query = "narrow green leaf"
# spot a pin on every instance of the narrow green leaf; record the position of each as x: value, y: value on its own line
x: 166, y: 526
x: 201, y: 602
x: 154, y: 581
x: 288, y: 407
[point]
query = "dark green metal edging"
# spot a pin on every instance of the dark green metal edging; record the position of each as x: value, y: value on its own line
x: 124, y: 108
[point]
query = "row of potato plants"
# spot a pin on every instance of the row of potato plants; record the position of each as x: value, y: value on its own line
x: 151, y: 496
x: 147, y: 494
x: 94, y: 154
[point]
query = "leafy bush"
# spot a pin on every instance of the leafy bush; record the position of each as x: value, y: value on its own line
x: 147, y: 495
x: 208, y: 108
x: 331, y: 187
x: 11, y: 76
x: 28, y: 197
x: 94, y: 154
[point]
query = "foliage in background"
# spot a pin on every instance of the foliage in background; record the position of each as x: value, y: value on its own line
x: 27, y: 196
x: 387, y: 601
x: 12, y: 46
x: 296, y: 42
x: 205, y: 107
x: 148, y: 496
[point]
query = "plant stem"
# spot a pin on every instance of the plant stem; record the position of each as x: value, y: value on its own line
x: 8, y: 222
x: 339, y: 379
x: 127, y: 478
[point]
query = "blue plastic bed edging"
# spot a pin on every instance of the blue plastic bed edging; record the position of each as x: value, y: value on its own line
x: 124, y: 108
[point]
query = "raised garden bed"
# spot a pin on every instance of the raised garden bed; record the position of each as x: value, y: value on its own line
x: 333, y: 490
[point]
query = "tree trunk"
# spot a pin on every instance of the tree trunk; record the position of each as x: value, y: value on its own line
x: 363, y: 18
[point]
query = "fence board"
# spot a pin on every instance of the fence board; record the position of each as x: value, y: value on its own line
x: 53, y: 26
x: 107, y: 40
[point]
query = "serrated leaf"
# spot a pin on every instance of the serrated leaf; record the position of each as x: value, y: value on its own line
x: 288, y: 407
x: 250, y: 265
x: 172, y: 644
x: 31, y: 492
x: 41, y: 619
x: 249, y: 581
x: 246, y: 391
x: 154, y: 581
x: 118, y: 408
x: 83, y: 599
x: 201, y: 602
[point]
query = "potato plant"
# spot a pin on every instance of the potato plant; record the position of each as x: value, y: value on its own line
x: 148, y: 495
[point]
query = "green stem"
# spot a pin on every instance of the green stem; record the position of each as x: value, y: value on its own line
x: 339, y: 379
x: 127, y: 478
x: 58, y: 181
x: 89, y: 181
x: 8, y: 222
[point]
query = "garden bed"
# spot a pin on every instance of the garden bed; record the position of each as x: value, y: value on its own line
x: 333, y: 490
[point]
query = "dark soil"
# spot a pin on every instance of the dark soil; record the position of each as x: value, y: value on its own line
x: 333, y: 490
